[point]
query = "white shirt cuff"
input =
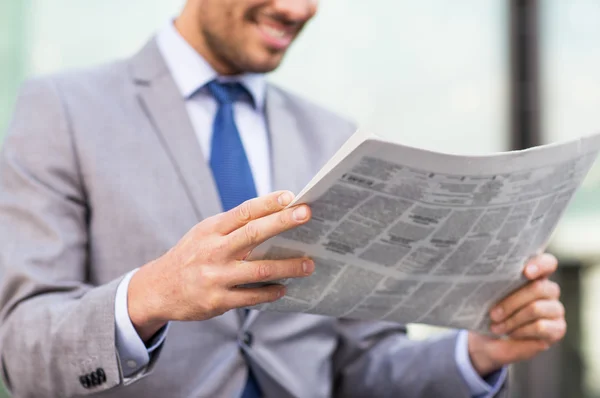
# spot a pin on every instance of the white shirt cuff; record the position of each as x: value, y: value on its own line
x: 134, y: 355
x: 478, y: 387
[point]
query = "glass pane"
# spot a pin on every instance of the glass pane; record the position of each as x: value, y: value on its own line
x: 11, y: 56
x: 71, y: 33
x: 571, y: 103
x: 429, y: 73
x: 39, y: 37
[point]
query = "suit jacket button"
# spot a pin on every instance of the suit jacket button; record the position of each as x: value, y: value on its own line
x: 101, y: 375
x: 85, y: 381
x: 247, y: 338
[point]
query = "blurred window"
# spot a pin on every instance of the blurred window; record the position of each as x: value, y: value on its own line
x: 570, y: 60
x: 570, y: 69
x: 431, y: 73
x: 11, y: 56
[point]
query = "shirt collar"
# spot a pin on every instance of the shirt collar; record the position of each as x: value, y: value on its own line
x: 191, y: 72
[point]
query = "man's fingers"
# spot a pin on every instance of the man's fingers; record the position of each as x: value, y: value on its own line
x: 541, y: 266
x: 549, y: 330
x: 271, y: 270
x: 240, y: 297
x: 541, y: 309
x: 252, y: 209
x: 257, y: 231
x: 541, y: 289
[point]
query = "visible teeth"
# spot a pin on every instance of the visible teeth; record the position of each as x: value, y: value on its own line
x: 278, y: 33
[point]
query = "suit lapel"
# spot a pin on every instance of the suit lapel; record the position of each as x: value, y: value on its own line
x: 289, y: 154
x: 165, y: 108
x: 290, y: 160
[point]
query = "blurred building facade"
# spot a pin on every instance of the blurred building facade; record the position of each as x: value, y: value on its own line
x: 433, y: 74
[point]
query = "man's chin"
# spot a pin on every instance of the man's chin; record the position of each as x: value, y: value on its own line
x: 264, y: 60
x: 264, y: 66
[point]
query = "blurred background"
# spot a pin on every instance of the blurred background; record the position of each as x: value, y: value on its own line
x: 473, y: 76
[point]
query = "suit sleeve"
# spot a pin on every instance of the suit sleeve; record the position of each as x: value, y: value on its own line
x: 378, y: 359
x: 57, y: 331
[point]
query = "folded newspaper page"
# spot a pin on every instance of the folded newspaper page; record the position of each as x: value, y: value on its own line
x: 414, y: 236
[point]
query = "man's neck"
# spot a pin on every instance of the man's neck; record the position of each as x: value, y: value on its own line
x: 191, y: 33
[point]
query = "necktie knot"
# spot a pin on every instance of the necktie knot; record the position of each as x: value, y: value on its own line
x: 226, y: 93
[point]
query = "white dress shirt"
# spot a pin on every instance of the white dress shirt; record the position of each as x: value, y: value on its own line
x: 191, y: 74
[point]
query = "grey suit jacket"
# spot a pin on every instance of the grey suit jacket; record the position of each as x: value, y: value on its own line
x: 100, y: 173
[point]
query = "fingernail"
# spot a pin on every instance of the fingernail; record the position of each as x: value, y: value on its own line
x: 548, y: 260
x: 284, y: 199
x: 280, y: 293
x: 497, y: 314
x: 498, y: 329
x: 300, y: 213
x: 308, y: 266
x: 532, y: 270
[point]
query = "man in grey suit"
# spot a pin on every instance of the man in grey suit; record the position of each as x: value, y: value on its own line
x: 127, y: 208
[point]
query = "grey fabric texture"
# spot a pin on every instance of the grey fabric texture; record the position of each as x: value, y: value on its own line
x: 100, y: 173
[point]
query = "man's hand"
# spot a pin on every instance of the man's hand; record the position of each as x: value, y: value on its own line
x: 198, y: 279
x: 532, y: 318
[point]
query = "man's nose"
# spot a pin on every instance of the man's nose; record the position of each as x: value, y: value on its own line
x: 296, y: 10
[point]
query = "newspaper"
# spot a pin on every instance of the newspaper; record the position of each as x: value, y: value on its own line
x: 413, y: 236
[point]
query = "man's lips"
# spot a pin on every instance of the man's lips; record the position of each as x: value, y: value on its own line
x: 276, y: 35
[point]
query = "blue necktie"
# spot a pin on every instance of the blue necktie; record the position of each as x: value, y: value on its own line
x: 228, y: 160
x: 231, y: 169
